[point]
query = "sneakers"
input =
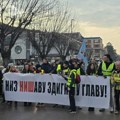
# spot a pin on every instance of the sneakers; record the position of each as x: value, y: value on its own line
x: 111, y: 110
x: 69, y: 110
x: 73, y: 111
x: 102, y: 110
x: 116, y: 112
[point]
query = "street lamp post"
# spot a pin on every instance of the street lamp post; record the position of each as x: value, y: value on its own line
x: 72, y: 25
x: 71, y: 36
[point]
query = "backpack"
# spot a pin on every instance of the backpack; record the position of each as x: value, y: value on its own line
x: 78, y: 79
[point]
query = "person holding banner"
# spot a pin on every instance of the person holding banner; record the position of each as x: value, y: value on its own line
x: 38, y: 69
x: 13, y: 70
x: 5, y: 70
x: 116, y: 80
x: 71, y: 88
x: 105, y: 69
x: 91, y: 70
x: 1, y: 84
x: 80, y: 68
x: 28, y: 68
x: 46, y: 66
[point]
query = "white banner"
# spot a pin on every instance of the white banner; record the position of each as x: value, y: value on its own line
x: 92, y: 92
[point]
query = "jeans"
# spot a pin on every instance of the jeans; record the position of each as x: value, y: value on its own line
x: 117, y: 100
x: 72, y: 99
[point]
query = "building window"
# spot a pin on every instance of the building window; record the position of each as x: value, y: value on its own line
x: 88, y: 41
x: 88, y: 46
x: 96, y: 41
x: 97, y: 46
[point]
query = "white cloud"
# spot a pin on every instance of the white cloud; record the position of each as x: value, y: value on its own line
x: 98, y: 18
x: 108, y: 35
x: 99, y: 12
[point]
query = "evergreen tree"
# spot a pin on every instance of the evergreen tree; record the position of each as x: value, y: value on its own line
x: 111, y: 51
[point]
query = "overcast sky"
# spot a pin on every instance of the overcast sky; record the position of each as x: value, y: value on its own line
x: 99, y: 18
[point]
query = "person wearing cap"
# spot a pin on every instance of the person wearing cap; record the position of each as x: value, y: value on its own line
x: 106, y: 67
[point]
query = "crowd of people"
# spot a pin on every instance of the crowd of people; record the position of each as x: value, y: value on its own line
x: 68, y: 70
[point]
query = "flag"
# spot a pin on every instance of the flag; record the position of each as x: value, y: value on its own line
x: 82, y: 54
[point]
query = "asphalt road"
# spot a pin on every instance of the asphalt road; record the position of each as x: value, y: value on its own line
x: 47, y: 112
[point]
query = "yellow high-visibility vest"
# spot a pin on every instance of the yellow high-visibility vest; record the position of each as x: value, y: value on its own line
x: 78, y: 71
x: 58, y: 68
x: 69, y: 78
x: 107, y: 71
x: 66, y: 71
x: 116, y: 80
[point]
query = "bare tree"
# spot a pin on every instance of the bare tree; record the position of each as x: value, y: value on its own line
x: 15, y: 16
x: 62, y: 45
x: 74, y: 46
x: 44, y: 37
x: 65, y: 45
x: 41, y: 41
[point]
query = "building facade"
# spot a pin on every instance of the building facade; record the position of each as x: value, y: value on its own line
x: 23, y: 48
x: 94, y: 47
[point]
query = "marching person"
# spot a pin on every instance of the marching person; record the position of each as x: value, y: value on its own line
x: 46, y: 66
x: 71, y: 88
x: 38, y: 69
x: 105, y: 69
x: 65, y: 72
x: 26, y: 70
x: 65, y: 68
x: 53, y: 68
x: 5, y: 70
x: 13, y: 70
x: 91, y: 70
x: 58, y: 67
x: 116, y: 80
x: 1, y: 85
x: 80, y: 69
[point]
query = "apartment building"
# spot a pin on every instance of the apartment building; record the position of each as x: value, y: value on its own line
x: 94, y: 47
